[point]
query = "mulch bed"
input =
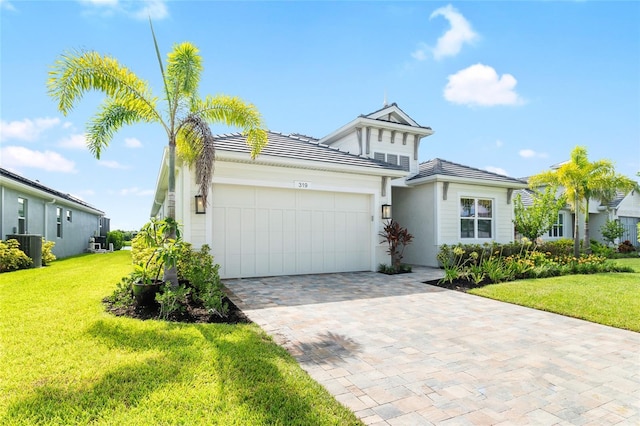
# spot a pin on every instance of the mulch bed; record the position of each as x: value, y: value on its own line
x: 458, y: 285
x: 194, y: 313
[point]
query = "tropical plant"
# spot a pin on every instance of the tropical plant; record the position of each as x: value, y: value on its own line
x: 611, y: 231
x: 11, y: 257
x: 583, y: 180
x: 398, y: 238
x: 185, y: 116
x: 536, y: 219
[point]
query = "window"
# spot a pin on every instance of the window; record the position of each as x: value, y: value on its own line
x: 476, y: 218
x: 379, y: 156
x: 58, y: 222
x: 69, y: 217
x: 557, y: 230
x: 22, y: 216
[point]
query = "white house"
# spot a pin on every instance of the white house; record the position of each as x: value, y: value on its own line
x: 313, y: 206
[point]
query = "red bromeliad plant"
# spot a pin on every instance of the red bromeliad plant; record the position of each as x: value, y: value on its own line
x: 398, y: 239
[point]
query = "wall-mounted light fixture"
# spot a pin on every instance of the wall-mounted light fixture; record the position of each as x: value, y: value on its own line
x: 200, y: 205
x: 386, y: 211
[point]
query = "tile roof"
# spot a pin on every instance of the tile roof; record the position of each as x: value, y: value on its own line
x: 526, y: 195
x: 442, y: 167
x: 299, y: 147
x: 37, y: 185
x: 618, y: 199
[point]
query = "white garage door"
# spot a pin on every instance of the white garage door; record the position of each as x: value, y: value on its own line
x: 272, y: 231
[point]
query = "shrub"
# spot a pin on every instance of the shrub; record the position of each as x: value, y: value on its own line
x: 11, y: 257
x: 172, y: 300
x: 558, y: 248
x: 116, y: 238
x: 204, y: 279
x: 626, y: 247
x: 601, y: 250
x: 47, y: 254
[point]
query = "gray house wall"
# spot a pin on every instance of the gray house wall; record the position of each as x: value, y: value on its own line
x: 41, y: 217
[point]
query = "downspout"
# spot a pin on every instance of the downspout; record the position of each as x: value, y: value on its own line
x: 2, y: 213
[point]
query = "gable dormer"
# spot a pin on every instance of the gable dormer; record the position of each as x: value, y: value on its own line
x: 387, y: 134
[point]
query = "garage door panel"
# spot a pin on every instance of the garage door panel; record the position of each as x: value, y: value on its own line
x: 275, y: 231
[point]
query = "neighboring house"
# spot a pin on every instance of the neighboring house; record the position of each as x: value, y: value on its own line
x: 563, y: 226
x: 448, y: 203
x: 624, y: 207
x: 313, y: 206
x: 28, y: 207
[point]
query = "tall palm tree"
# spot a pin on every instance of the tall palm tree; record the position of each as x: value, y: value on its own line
x: 583, y: 180
x: 185, y: 116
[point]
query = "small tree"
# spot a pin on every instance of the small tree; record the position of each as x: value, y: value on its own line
x: 535, y: 220
x: 117, y: 238
x: 611, y: 231
x: 398, y: 239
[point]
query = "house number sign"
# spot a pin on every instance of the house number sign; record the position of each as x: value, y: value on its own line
x: 300, y: 184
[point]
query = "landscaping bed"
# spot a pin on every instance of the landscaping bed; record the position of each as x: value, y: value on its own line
x: 194, y: 312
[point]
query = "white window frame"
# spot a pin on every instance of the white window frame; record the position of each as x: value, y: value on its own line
x: 59, y: 212
x: 23, y: 207
x: 475, y: 218
x: 558, y: 228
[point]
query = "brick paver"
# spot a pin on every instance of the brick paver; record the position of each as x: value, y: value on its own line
x: 400, y: 352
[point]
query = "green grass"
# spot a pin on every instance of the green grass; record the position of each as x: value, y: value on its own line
x: 610, y: 299
x: 64, y: 360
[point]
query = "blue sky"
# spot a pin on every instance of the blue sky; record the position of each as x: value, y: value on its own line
x: 509, y: 87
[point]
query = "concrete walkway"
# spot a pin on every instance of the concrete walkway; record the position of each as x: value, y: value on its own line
x: 399, y: 352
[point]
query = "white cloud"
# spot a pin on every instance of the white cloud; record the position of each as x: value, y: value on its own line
x: 6, y: 5
x: 496, y: 170
x: 27, y: 129
x: 529, y: 153
x: 154, y: 9
x: 137, y: 9
x: 74, y: 142
x: 132, y: 143
x: 18, y: 156
x: 480, y: 85
x: 450, y: 43
x: 112, y: 164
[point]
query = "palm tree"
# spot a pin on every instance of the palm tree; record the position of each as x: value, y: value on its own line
x: 583, y: 180
x: 185, y: 116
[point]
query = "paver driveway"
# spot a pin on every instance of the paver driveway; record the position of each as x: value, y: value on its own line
x: 400, y: 352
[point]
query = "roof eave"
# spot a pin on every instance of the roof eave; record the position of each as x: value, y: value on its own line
x: 268, y: 160
x: 469, y: 181
x: 370, y: 122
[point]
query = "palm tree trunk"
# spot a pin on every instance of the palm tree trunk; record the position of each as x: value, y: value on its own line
x: 171, y: 273
x: 576, y: 229
x: 587, y: 241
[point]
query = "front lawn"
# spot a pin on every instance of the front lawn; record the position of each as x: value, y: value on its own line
x: 607, y: 298
x: 64, y: 360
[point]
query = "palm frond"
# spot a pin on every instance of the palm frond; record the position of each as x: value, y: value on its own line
x: 195, y: 144
x: 232, y: 111
x: 73, y: 74
x: 184, y: 67
x: 109, y: 119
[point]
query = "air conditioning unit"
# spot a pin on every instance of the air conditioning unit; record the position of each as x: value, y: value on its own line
x: 31, y: 245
